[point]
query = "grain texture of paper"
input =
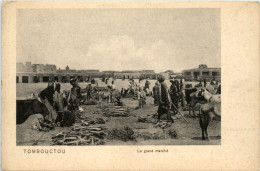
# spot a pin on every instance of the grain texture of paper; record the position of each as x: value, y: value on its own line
x: 239, y: 53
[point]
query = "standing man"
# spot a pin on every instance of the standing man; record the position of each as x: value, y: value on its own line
x: 89, y: 91
x: 219, y: 89
x: 200, y: 84
x: 141, y: 97
x: 174, y: 94
x: 46, y: 96
x: 205, y: 83
x: 133, y: 87
x: 74, y: 96
x: 181, y: 84
x: 147, y: 86
x: 58, y: 103
x: 164, y: 100
x: 156, y: 93
x: 113, y: 87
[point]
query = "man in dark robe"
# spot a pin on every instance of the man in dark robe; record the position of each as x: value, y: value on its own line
x: 156, y: 93
x: 47, y: 93
x: 200, y: 84
x: 177, y: 84
x: 219, y: 89
x: 147, y: 87
x: 147, y: 84
x: 164, y: 100
x: 75, y: 95
x: 89, y: 91
x: 181, y: 85
x: 46, y: 96
x: 205, y: 83
x: 174, y: 94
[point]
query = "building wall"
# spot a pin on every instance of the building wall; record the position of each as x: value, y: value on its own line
x: 44, y: 73
x: 201, y: 74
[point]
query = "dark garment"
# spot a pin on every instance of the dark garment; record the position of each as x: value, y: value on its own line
x: 164, y: 101
x: 181, y: 86
x: 58, y: 101
x: 164, y: 96
x: 177, y: 85
x: 75, y: 96
x: 219, y: 89
x: 142, y: 102
x: 162, y: 110
x: 66, y: 118
x: 174, y: 94
x: 47, y: 93
x: 156, y: 94
x: 147, y: 84
x: 205, y: 83
x: 89, y: 92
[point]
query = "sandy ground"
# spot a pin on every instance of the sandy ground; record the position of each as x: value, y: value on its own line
x: 145, y: 133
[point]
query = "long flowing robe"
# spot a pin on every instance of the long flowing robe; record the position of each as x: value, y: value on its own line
x: 58, y: 101
x: 164, y: 97
x: 74, y: 98
x: 156, y: 94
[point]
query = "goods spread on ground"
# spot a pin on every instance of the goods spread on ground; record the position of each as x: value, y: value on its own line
x: 84, y: 132
x: 115, y: 111
x: 81, y: 135
x: 123, y: 133
x: 43, y: 125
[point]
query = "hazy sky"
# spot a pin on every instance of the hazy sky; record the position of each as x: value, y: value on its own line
x: 120, y: 39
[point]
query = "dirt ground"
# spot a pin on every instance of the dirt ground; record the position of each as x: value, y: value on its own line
x: 145, y: 133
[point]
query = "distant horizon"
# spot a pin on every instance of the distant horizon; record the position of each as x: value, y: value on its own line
x: 57, y: 68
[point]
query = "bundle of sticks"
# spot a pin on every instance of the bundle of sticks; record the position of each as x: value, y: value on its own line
x: 81, y: 135
x: 115, y: 111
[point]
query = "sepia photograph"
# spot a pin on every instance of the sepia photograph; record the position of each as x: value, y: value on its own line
x: 118, y: 77
x: 130, y: 85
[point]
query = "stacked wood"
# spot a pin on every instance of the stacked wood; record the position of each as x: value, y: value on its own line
x: 115, y: 111
x: 86, y: 121
x: 81, y: 135
x: 98, y: 88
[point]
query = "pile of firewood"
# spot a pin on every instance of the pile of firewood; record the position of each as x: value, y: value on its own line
x: 115, y: 111
x: 86, y: 121
x: 81, y: 135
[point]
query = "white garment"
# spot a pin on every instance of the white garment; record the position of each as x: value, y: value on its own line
x: 113, y: 86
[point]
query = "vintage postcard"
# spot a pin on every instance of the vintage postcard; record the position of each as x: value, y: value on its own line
x: 130, y: 86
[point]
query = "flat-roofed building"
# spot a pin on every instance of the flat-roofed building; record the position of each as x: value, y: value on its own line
x: 201, y: 73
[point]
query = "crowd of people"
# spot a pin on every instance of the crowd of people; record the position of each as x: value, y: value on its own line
x: 166, y: 98
x: 62, y: 105
x: 66, y: 104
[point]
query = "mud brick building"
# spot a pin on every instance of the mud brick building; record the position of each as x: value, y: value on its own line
x: 33, y: 73
x: 202, y: 72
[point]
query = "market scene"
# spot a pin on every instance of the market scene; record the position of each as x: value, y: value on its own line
x: 127, y: 76
x: 117, y: 108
